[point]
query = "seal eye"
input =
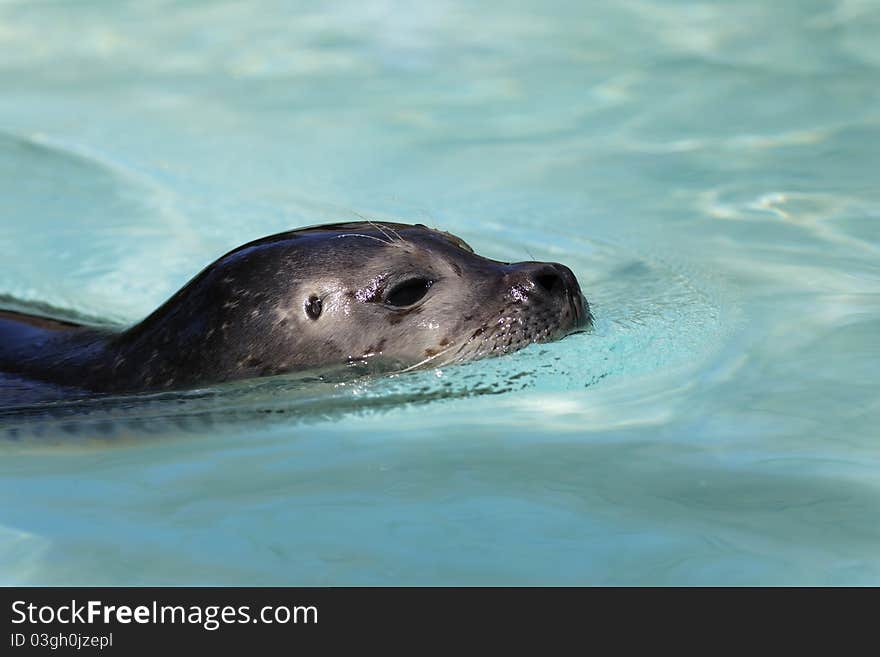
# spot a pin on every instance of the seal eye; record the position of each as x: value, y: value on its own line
x: 408, y: 292
x: 313, y: 307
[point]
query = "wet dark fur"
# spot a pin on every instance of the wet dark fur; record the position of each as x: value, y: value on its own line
x: 243, y: 315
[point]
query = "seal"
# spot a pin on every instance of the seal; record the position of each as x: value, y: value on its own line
x: 376, y: 297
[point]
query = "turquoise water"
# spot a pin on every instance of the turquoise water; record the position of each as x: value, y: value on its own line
x: 708, y: 170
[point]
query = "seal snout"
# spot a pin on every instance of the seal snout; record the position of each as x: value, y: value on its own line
x: 555, y: 283
x: 583, y: 319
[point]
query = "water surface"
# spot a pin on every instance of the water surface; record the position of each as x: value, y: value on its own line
x: 708, y: 170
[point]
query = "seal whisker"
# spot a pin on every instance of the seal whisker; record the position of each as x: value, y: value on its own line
x: 377, y: 226
x: 366, y: 237
x: 390, y: 229
x: 361, y: 217
x: 426, y: 360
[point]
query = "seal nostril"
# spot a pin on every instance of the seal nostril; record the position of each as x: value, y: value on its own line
x: 549, y: 282
x: 313, y: 307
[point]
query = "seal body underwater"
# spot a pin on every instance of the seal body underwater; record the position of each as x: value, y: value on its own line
x: 387, y: 296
